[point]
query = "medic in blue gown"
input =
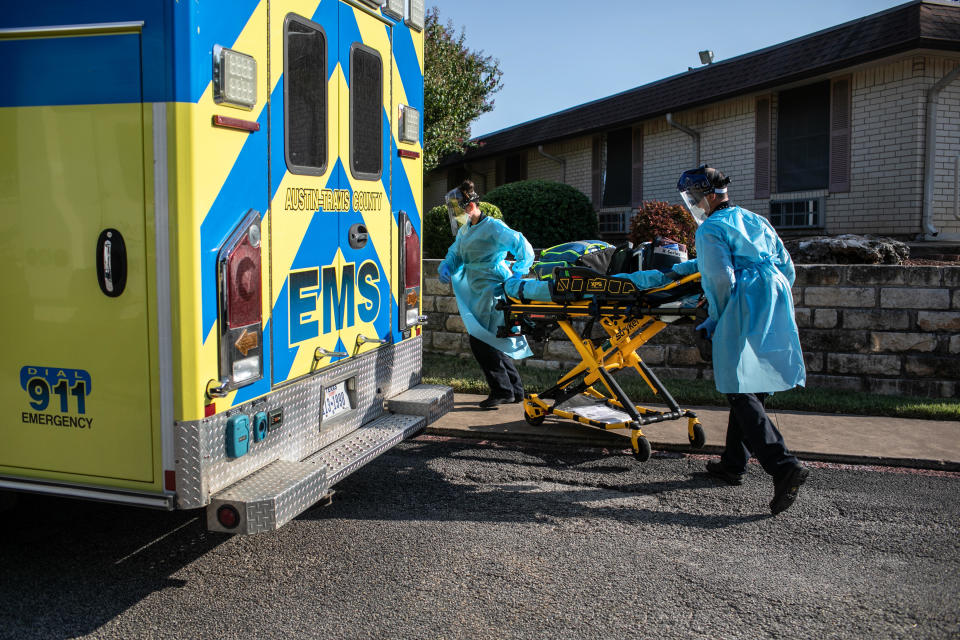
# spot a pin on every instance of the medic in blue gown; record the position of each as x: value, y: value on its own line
x: 747, y: 275
x: 476, y: 267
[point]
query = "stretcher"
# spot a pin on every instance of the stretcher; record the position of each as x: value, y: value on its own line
x: 630, y: 316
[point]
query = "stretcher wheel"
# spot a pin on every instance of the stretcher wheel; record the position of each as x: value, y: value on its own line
x: 534, y: 421
x: 642, y: 453
x: 699, y: 437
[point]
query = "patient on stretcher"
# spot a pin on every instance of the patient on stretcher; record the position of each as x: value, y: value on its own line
x: 539, y: 290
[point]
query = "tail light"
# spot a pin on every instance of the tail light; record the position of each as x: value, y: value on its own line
x: 240, y: 305
x: 410, y: 259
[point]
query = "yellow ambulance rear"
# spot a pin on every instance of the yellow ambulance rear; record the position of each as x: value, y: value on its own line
x: 212, y: 211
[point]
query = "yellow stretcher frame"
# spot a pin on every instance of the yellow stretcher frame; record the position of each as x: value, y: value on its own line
x: 630, y: 318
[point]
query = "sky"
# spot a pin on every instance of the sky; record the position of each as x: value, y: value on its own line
x: 562, y: 53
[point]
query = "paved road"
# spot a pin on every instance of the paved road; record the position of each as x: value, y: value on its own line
x: 457, y: 539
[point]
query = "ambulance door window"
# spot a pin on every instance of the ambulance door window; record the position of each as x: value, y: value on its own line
x: 305, y: 96
x: 366, y: 113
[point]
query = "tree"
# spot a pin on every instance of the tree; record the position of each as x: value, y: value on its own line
x: 457, y: 85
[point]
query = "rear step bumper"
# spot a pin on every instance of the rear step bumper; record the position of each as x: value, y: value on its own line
x: 279, y: 492
x: 431, y: 401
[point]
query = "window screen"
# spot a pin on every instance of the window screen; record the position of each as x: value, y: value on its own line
x: 796, y: 213
x: 616, y: 185
x: 803, y: 138
x: 305, y: 96
x: 366, y: 113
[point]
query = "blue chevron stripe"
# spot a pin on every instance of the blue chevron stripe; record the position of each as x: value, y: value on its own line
x: 170, y: 73
x: 408, y: 65
x: 243, y: 188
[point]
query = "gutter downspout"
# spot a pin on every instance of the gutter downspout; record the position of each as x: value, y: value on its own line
x: 956, y: 187
x: 929, y: 231
x: 687, y: 130
x: 562, y: 161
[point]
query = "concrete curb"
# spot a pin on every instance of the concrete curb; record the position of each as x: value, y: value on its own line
x: 612, y: 441
x: 830, y: 438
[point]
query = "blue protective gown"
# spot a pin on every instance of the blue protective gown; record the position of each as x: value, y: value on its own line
x: 747, y: 275
x: 477, y: 262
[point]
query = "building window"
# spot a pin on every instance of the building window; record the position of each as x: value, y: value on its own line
x: 366, y: 113
x: 618, y: 168
x: 614, y: 222
x: 305, y: 96
x: 797, y: 214
x: 803, y: 138
x: 512, y: 168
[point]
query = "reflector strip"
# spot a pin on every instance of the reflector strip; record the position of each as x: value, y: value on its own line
x: 169, y: 480
x: 406, y: 153
x: 235, y: 123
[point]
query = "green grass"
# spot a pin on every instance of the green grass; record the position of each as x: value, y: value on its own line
x: 464, y: 375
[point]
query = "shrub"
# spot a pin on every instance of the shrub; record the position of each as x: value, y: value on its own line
x: 666, y: 220
x: 547, y: 213
x: 436, y: 229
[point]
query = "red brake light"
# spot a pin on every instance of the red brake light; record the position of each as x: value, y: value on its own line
x: 228, y: 517
x: 243, y: 284
x: 411, y: 250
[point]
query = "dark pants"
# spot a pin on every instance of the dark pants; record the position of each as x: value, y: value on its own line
x: 499, y: 370
x: 749, y: 430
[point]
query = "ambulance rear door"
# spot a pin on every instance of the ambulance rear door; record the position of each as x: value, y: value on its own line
x: 367, y: 242
x: 329, y: 165
x: 76, y: 377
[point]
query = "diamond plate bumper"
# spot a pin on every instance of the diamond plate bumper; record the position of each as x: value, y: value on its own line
x: 282, y: 490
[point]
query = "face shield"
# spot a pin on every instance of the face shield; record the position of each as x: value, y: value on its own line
x: 696, y: 184
x: 696, y: 205
x: 694, y: 187
x: 458, y: 217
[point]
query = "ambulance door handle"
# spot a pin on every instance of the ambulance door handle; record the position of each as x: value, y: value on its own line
x: 357, y: 236
x: 111, y: 263
x: 320, y: 353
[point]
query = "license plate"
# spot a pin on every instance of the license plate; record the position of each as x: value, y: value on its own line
x: 335, y: 400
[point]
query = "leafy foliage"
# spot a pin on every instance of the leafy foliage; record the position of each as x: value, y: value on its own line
x: 457, y: 85
x: 436, y: 229
x: 547, y: 213
x: 656, y: 218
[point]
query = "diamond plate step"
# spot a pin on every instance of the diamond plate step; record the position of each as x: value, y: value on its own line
x: 366, y: 443
x: 271, y: 497
x: 428, y: 400
x: 282, y: 490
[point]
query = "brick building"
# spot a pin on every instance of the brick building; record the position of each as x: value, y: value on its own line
x: 854, y: 129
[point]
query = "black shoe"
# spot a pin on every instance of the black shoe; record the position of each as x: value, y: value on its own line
x: 517, y: 398
x: 785, y: 490
x: 723, y: 472
x: 492, y: 401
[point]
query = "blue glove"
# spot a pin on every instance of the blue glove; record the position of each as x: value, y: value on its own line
x: 444, y: 273
x: 708, y: 326
x: 686, y: 268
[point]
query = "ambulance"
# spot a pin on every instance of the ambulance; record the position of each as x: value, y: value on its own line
x: 210, y: 217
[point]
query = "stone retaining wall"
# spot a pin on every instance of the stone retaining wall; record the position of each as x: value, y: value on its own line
x: 881, y: 329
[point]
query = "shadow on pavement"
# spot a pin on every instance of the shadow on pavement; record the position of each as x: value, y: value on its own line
x: 68, y: 566
x: 527, y: 485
